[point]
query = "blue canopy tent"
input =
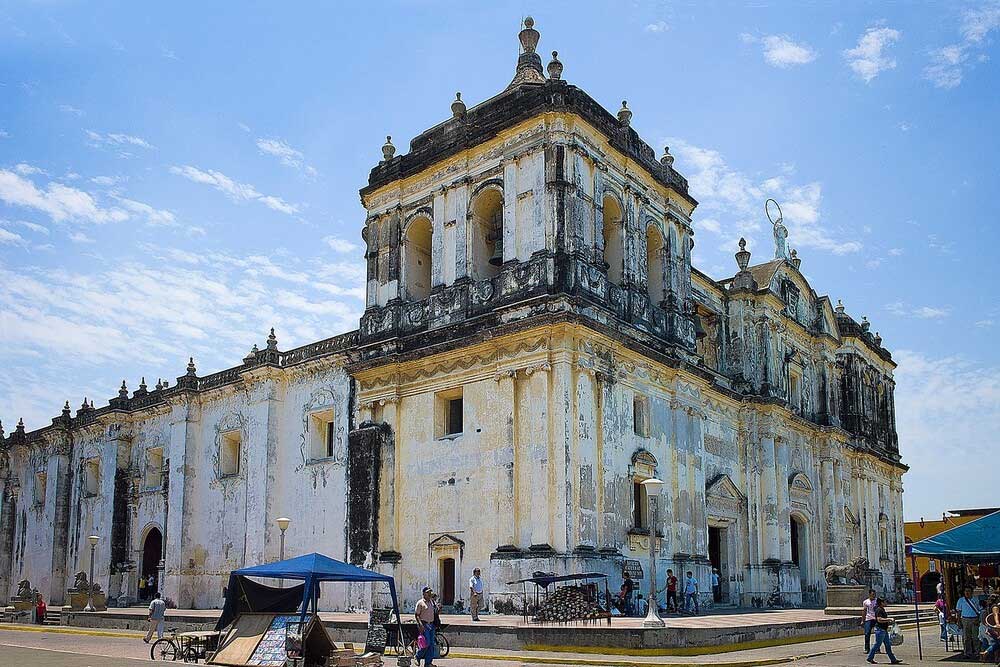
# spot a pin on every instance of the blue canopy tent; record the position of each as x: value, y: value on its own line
x: 975, y: 542
x: 312, y: 569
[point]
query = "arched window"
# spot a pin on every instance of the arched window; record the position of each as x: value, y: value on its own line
x: 614, y: 245
x: 654, y: 264
x: 487, y: 234
x: 417, y: 251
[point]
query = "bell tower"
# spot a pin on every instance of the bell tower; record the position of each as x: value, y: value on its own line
x: 536, y: 197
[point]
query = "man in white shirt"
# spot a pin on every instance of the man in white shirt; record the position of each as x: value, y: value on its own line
x: 475, y: 594
x: 716, y: 589
x: 157, y: 610
x: 690, y: 592
x: 968, y: 608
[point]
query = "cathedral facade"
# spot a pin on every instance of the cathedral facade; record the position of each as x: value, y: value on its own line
x: 535, y: 345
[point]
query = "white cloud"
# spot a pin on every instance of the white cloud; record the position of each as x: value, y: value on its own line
x: 4, y: 134
x: 948, y: 63
x: 657, y: 27
x: 27, y: 169
x: 732, y: 201
x: 152, y: 215
x: 985, y: 324
x: 35, y: 227
x: 339, y: 245
x: 104, y: 180
x: 9, y: 237
x: 895, y: 252
x: 235, y: 190
x: 947, y: 415
x: 904, y: 126
x: 870, y: 57
x: 66, y: 108
x: 901, y: 309
x: 117, y: 139
x: 782, y: 51
x: 80, y: 237
x: 287, y: 155
x: 60, y: 202
x: 243, y: 126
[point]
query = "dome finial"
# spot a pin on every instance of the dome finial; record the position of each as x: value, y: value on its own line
x: 388, y: 150
x: 458, y: 106
x: 743, y: 256
x: 667, y: 160
x: 625, y: 114
x: 528, y: 36
x: 555, y: 67
x: 272, y: 340
x: 529, y: 64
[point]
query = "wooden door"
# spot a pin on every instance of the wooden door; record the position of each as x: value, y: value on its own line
x: 448, y: 581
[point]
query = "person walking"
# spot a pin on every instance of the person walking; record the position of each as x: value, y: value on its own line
x: 882, y: 625
x: 628, y: 587
x: 40, y: 610
x: 475, y: 594
x: 425, y: 611
x: 157, y: 611
x: 992, y: 624
x: 672, y: 592
x: 969, y: 609
x: 691, y: 592
x: 716, y: 589
x: 142, y: 588
x: 942, y: 611
x: 868, y: 607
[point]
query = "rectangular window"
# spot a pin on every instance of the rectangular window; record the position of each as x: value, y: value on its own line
x: 153, y: 478
x: 322, y: 434
x: 229, y: 456
x: 795, y: 391
x: 449, y: 413
x: 39, y: 490
x: 91, y: 477
x: 640, y: 416
x: 638, y: 505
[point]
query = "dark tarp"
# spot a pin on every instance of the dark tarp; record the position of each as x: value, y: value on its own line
x: 245, y: 595
x: 312, y: 569
x: 974, y: 542
x: 546, y: 580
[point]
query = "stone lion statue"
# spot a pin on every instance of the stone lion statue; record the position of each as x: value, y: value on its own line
x: 854, y: 572
x: 80, y: 582
x: 24, y: 590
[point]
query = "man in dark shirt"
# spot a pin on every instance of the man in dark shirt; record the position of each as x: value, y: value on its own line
x: 882, y: 625
x: 671, y: 591
x: 628, y: 586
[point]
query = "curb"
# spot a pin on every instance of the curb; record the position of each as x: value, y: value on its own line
x: 597, y: 662
x: 130, y: 634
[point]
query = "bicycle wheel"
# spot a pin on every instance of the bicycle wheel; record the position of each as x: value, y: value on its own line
x: 191, y: 654
x: 163, y: 649
x: 442, y: 646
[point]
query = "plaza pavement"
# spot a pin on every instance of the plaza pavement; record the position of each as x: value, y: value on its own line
x: 31, y: 646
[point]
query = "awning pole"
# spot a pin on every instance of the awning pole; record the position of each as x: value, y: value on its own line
x: 916, y: 606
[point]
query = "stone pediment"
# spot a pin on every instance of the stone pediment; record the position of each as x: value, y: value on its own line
x: 722, y: 487
x: 445, y: 541
x: 799, y: 483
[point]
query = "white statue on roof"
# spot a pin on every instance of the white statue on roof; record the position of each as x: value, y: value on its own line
x: 780, y: 231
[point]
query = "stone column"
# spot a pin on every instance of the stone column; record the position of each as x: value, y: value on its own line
x: 769, y: 497
x: 587, y: 417
x: 506, y: 463
x: 184, y: 421
x: 839, y: 554
x: 536, y: 446
x: 560, y: 444
x: 438, y: 255
x: 784, y: 515
x: 8, y: 502
x: 388, y: 528
x: 461, y: 230
x: 260, y: 457
x: 60, y: 523
x: 683, y: 516
x: 828, y: 496
x: 509, y: 209
x: 700, y: 519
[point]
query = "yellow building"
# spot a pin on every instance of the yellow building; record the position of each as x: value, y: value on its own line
x: 929, y: 571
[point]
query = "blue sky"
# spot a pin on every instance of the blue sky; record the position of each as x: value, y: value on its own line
x: 175, y: 180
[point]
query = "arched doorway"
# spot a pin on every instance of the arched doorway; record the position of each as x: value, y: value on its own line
x: 418, y: 252
x: 152, y: 550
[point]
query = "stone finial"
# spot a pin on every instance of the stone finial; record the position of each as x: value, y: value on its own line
x: 865, y: 324
x: 249, y: 359
x: 20, y: 426
x: 66, y: 411
x: 458, y: 107
x: 191, y: 370
x: 528, y: 36
x: 840, y: 307
x: 159, y: 384
x: 743, y: 256
x: 272, y: 340
x: 1, y: 430
x: 796, y: 262
x: 123, y: 390
x: 878, y: 339
x: 142, y: 384
x: 667, y: 160
x: 84, y: 406
x: 555, y: 67
x: 625, y: 114
x: 388, y: 150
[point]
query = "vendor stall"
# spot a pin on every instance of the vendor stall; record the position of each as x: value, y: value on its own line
x: 578, y: 599
x: 267, y: 626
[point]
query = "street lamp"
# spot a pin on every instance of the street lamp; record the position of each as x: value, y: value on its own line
x: 653, y: 487
x: 283, y: 522
x: 93, y: 539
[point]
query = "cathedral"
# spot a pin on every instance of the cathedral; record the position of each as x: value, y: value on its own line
x: 535, y: 344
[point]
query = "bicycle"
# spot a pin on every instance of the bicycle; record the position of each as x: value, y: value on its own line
x: 171, y: 647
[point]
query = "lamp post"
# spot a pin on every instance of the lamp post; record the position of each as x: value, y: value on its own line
x: 93, y: 539
x: 653, y: 487
x: 282, y: 526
